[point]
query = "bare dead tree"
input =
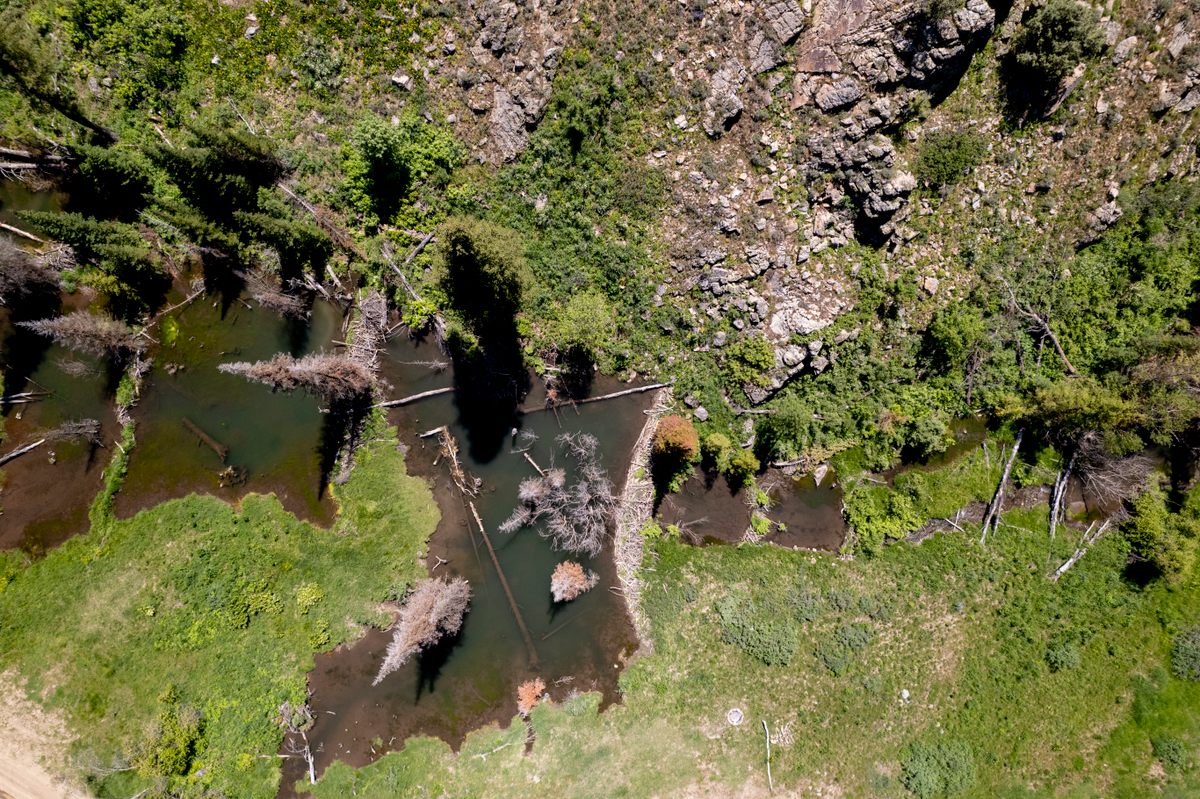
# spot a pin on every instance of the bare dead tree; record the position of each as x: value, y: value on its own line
x: 296, y: 721
x: 335, y: 377
x: 369, y: 330
x: 1040, y: 322
x: 78, y: 430
x: 275, y: 296
x: 89, y: 333
x: 574, y: 517
x: 1111, y: 480
x: 434, y: 608
x: 991, y: 519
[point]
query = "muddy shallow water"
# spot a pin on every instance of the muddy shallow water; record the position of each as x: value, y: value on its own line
x: 804, y: 514
x: 471, y: 680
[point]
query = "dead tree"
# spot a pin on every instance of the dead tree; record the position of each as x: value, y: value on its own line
x: 1111, y: 480
x: 89, y: 333
x: 296, y: 720
x: 334, y: 377
x: 78, y: 430
x: 1059, y: 493
x: 369, y: 330
x: 992, y: 517
x: 570, y: 581
x: 574, y: 517
x: 275, y: 296
x: 434, y: 608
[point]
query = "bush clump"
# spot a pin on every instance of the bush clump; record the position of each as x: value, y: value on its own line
x: 948, y: 156
x: 1185, y: 654
x: 941, y: 769
x: 1052, y: 41
x: 758, y: 629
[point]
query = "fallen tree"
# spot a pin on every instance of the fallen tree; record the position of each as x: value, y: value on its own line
x: 335, y: 377
x: 89, y: 333
x: 434, y: 608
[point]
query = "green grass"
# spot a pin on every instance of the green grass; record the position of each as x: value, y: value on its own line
x: 965, y: 630
x: 196, y: 606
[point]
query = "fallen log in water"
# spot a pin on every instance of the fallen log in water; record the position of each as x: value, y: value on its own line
x: 16, y: 453
x: 23, y: 233
x: 533, y: 656
x: 413, y: 398
x: 210, y: 442
x: 601, y: 398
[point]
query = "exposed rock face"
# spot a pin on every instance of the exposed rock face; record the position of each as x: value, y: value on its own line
x: 513, y: 55
x: 723, y: 105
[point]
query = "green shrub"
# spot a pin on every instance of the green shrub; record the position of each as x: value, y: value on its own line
x: 1185, y: 654
x: 1049, y: 44
x: 948, y: 156
x: 1063, y: 655
x: 945, y: 768
x: 758, y: 629
x: 805, y: 604
x: 1171, y: 752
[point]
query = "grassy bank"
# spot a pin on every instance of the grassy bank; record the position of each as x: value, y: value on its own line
x: 169, y: 640
x: 1017, y: 686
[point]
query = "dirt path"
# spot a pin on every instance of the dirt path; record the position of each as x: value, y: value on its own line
x: 33, y: 744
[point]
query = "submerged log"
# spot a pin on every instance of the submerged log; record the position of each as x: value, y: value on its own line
x: 414, y: 397
x: 210, y: 442
x: 512, y: 603
x: 22, y: 233
x: 16, y: 453
x: 601, y: 398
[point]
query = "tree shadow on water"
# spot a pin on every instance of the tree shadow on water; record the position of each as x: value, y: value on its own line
x: 489, y: 385
x: 431, y: 661
x: 340, y: 430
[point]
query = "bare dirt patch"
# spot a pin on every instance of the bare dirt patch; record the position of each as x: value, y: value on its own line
x: 33, y: 746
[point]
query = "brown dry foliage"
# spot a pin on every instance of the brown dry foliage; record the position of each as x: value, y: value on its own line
x: 528, y: 694
x: 569, y: 581
x: 676, y: 438
x: 90, y: 333
x: 434, y: 608
x: 334, y: 377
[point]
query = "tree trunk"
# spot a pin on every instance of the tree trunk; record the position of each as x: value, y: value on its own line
x: 993, y: 511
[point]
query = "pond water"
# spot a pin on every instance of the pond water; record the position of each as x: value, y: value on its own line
x: 471, y: 680
x: 67, y: 387
x: 274, y: 440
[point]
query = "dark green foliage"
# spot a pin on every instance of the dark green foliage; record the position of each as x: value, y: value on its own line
x: 946, y: 157
x: 839, y: 652
x: 483, y: 273
x: 1185, y: 654
x: 384, y: 164
x: 140, y: 42
x: 299, y: 245
x: 1172, y: 752
x: 1048, y: 45
x: 223, y: 174
x: 84, y: 235
x: 756, y: 626
x: 945, y: 768
x: 111, y: 181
